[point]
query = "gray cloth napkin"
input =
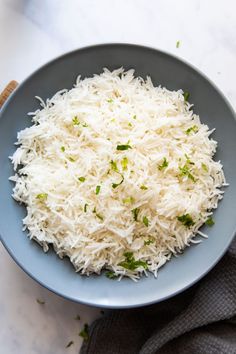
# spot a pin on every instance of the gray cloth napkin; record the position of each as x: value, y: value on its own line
x: 200, y: 320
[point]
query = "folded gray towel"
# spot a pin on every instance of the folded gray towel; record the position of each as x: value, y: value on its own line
x: 201, y: 320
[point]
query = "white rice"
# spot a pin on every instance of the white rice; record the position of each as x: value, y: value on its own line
x: 167, y: 172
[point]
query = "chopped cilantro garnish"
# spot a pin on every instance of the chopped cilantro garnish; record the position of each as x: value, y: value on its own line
x: 145, y: 221
x: 188, y: 160
x: 85, y: 332
x: 130, y: 263
x: 204, y: 167
x: 186, y: 220
x: 42, y: 196
x: 111, y: 275
x: 69, y: 344
x: 124, y: 163
x: 164, y: 164
x: 186, y: 96
x: 210, y: 221
x: 148, y: 242
x: 128, y: 200
x: 114, y: 166
x: 77, y: 318
x: 40, y: 302
x: 143, y: 187
x: 98, y: 188
x: 99, y: 216
x: 130, y: 124
x: 81, y: 179
x: 177, y: 44
x: 135, y: 213
x: 115, y: 185
x: 110, y: 100
x: 186, y: 172
x: 135, y: 117
x: 85, y: 208
x: 193, y: 129
x: 63, y: 148
x: 71, y: 159
x: 76, y: 121
x: 123, y: 147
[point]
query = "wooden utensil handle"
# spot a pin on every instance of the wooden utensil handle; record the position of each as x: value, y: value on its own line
x: 7, y: 91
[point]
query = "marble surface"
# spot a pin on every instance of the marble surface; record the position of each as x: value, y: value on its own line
x: 33, y: 32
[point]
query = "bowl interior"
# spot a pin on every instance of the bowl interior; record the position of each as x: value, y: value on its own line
x: 181, y: 272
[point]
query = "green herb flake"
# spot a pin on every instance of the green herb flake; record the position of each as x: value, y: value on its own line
x: 135, y: 213
x: 128, y: 200
x: 144, y: 188
x: 85, y: 207
x: 177, y: 44
x: 186, y: 220
x: 110, y: 100
x: 69, y: 344
x: 130, y: 124
x: 204, y: 167
x: 124, y: 163
x: 97, y: 191
x: 184, y: 171
x: 193, y: 129
x: 111, y: 275
x: 40, y: 302
x: 130, y: 263
x: 85, y: 333
x: 42, y: 196
x: 210, y: 221
x: 81, y: 179
x: 76, y: 121
x: 78, y: 318
x: 85, y: 125
x: 63, y: 148
x: 188, y: 160
x: 135, y: 117
x: 71, y: 159
x: 148, y: 242
x: 164, y: 164
x: 115, y: 185
x: 186, y: 95
x: 123, y: 147
x: 99, y: 216
x: 145, y: 221
x: 114, y: 166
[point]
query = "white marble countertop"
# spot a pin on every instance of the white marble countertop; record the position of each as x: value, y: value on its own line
x: 33, y: 32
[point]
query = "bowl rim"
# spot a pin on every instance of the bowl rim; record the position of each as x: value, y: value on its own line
x: 141, y: 47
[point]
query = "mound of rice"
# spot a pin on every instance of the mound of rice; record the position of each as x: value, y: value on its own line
x: 117, y: 174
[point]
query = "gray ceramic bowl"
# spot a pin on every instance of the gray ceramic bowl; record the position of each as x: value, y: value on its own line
x: 180, y: 273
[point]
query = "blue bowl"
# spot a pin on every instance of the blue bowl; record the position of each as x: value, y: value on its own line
x: 181, y: 272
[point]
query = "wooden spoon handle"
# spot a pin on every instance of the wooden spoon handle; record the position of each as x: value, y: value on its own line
x: 7, y: 91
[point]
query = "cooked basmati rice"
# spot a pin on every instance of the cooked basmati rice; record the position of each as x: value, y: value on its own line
x: 116, y: 165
